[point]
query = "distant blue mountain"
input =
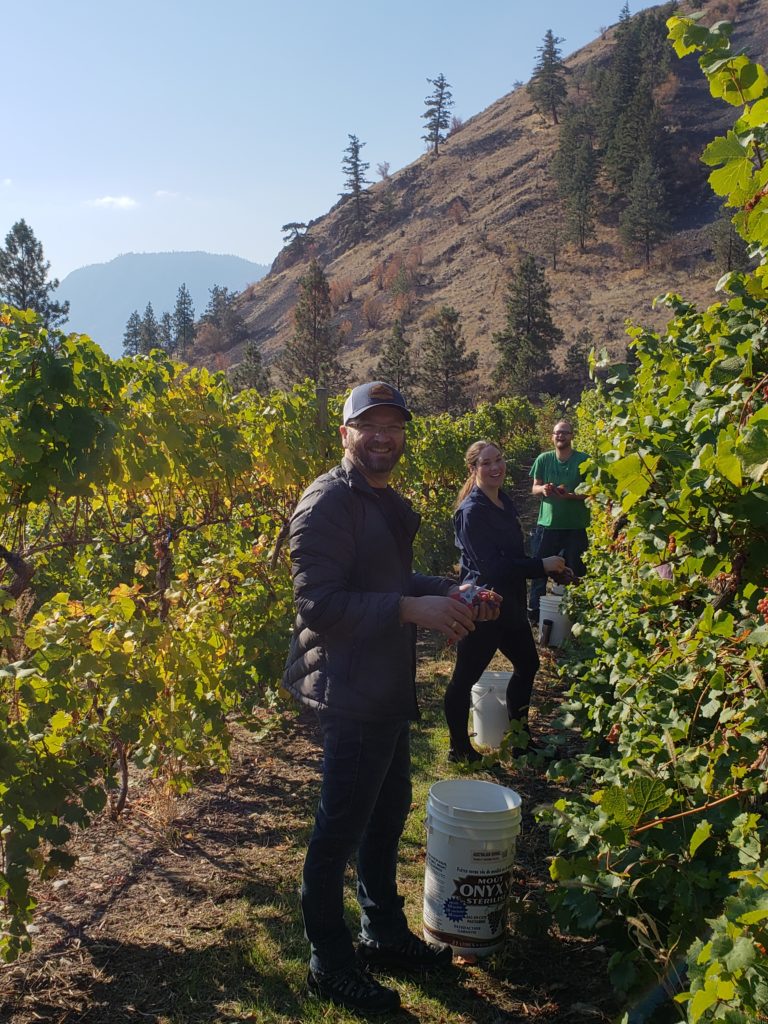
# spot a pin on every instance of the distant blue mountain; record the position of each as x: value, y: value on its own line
x: 102, y: 296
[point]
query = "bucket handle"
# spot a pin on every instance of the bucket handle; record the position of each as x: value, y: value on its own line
x: 490, y: 689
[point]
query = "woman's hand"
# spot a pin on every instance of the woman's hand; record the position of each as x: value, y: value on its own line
x: 484, y: 604
x: 553, y: 564
x: 487, y: 611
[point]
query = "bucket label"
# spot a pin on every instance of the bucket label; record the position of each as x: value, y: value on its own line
x: 464, y: 905
x: 488, y: 856
x: 454, y: 909
x: 482, y: 890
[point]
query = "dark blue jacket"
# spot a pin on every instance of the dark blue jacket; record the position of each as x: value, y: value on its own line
x: 349, y: 653
x: 493, y: 550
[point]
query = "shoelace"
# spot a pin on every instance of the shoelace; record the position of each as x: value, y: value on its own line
x: 355, y: 984
x: 414, y: 946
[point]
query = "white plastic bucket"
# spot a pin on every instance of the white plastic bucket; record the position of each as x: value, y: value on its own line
x: 472, y: 828
x: 549, y: 610
x: 489, y: 708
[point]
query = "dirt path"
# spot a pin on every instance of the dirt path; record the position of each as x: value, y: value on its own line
x: 197, y: 919
x: 149, y: 900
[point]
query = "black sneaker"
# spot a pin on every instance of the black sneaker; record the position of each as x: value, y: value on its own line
x: 353, y: 988
x: 470, y: 756
x: 409, y: 954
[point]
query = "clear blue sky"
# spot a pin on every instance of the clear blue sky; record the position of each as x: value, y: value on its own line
x: 189, y: 124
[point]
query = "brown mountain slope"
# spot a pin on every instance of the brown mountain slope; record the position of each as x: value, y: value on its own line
x: 461, y: 221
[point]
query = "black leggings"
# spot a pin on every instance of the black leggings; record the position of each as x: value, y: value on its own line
x: 473, y: 655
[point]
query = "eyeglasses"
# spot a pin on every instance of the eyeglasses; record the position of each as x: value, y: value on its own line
x: 363, y: 427
x: 562, y: 433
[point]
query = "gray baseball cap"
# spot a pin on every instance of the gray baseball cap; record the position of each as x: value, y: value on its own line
x: 368, y: 396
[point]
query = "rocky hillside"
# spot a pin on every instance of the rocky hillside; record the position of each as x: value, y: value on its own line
x: 460, y: 222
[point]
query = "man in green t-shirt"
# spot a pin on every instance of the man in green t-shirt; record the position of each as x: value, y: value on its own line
x: 563, y: 517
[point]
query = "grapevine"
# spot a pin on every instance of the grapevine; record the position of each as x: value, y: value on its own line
x: 664, y: 853
x: 145, y: 593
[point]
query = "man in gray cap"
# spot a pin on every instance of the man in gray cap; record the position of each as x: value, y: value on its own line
x: 352, y: 659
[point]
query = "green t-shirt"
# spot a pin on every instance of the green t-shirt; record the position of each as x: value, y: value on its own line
x: 554, y: 513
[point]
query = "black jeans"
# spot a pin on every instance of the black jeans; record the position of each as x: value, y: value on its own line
x: 546, y: 542
x: 473, y: 655
x: 364, y: 802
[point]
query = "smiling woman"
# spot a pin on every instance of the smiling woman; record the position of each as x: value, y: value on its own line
x: 490, y: 538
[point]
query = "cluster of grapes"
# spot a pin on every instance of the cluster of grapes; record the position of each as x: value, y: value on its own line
x: 473, y: 595
x: 762, y: 607
x: 724, y: 581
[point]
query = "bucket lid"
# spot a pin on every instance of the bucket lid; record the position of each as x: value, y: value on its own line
x: 470, y: 799
x: 494, y: 678
x: 507, y: 827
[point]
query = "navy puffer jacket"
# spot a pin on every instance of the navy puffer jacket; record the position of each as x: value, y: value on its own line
x: 493, y: 550
x: 349, y: 653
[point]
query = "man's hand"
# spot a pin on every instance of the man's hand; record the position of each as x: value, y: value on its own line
x: 451, y: 618
x: 550, y: 491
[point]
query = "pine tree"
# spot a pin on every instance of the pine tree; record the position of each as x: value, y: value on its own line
x: 24, y: 276
x: 638, y: 133
x: 580, y: 200
x: 251, y: 372
x: 656, y: 55
x: 165, y: 332
x: 618, y: 84
x: 223, y: 313
x: 355, y: 169
x: 643, y: 221
x: 547, y: 86
x: 150, y: 331
x: 437, y: 115
x: 575, y: 168
x: 629, y: 120
x: 218, y: 300
x: 576, y: 368
x: 293, y: 231
x: 525, y: 344
x: 446, y: 372
x: 132, y: 335
x: 394, y: 365
x: 313, y: 350
x: 183, y: 322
